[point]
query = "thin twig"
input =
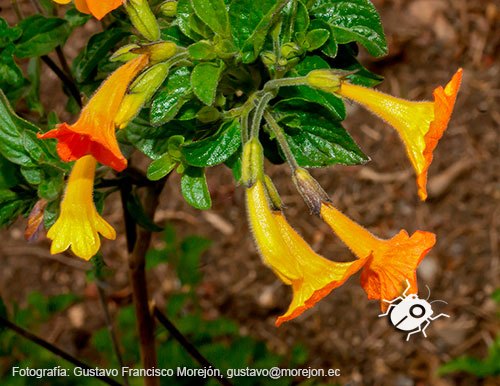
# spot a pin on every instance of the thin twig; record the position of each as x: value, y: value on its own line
x: 109, y: 324
x: 259, y: 110
x: 17, y: 10
x: 75, y: 93
x: 280, y: 137
x: 50, y: 347
x: 187, y: 345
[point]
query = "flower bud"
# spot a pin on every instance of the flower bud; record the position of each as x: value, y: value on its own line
x: 124, y: 54
x: 159, y: 52
x: 268, y: 58
x: 168, y: 8
x: 252, y: 163
x: 310, y: 190
x: 326, y: 80
x: 142, y: 18
x: 276, y: 203
x: 140, y: 92
x: 290, y: 50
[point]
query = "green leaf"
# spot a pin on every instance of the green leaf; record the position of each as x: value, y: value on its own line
x: 294, y: 20
x: 214, y: 14
x: 41, y: 35
x: 250, y: 22
x: 315, y: 137
x: 52, y: 182
x: 9, y: 174
x: 194, y: 188
x: 202, y: 50
x: 12, y: 205
x: 97, y: 47
x: 76, y: 18
x: 11, y: 77
x: 347, y: 61
x: 161, y: 167
x: 330, y: 101
x: 316, y: 38
x: 168, y: 101
x: 204, y: 80
x: 330, y: 48
x: 189, y: 23
x: 234, y: 163
x: 216, y: 149
x: 135, y: 209
x: 353, y: 20
x: 8, y: 34
x: 174, y: 34
x: 33, y: 97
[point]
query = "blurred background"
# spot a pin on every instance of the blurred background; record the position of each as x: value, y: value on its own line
x: 208, y: 276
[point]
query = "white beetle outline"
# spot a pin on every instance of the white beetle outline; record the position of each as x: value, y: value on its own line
x: 405, y: 308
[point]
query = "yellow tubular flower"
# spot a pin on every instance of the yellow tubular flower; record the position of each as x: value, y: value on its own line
x: 79, y: 223
x: 420, y: 124
x: 390, y: 262
x: 311, y: 276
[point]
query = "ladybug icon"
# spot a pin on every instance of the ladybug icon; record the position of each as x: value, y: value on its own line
x: 411, y: 313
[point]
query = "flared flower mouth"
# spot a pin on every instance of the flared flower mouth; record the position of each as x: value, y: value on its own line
x: 79, y: 224
x: 390, y: 263
x: 98, y: 8
x: 94, y: 132
x: 311, y: 276
x: 420, y: 124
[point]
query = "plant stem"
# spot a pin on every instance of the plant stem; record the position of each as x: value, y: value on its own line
x: 188, y: 346
x: 75, y: 93
x: 137, y: 275
x: 281, y: 82
x: 280, y: 137
x: 259, y: 111
x: 53, y: 349
x: 17, y: 10
x: 109, y: 324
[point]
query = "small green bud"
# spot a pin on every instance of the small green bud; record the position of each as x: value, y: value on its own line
x: 159, y: 52
x: 140, y: 92
x: 290, y: 50
x: 124, y: 54
x: 252, y: 163
x: 268, y: 58
x: 310, y: 190
x: 168, y: 8
x: 282, y: 62
x: 326, y: 80
x: 143, y: 19
x: 276, y: 202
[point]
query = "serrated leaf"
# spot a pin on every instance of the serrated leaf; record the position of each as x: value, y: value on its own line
x: 160, y: 167
x: 214, y: 14
x: 353, y: 20
x: 41, y: 35
x: 249, y: 28
x: 194, y: 188
x: 330, y: 101
x: 189, y: 23
x: 97, y: 48
x: 216, y: 149
x: 205, y: 79
x: 315, y: 137
x: 168, y: 101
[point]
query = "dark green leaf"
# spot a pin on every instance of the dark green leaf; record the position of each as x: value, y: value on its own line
x: 32, y: 175
x: 234, y: 163
x: 52, y: 182
x: 353, y: 20
x: 8, y: 34
x: 214, y: 14
x: 174, y: 34
x: 12, y: 205
x: 333, y: 103
x: 97, y: 48
x: 76, y: 18
x: 315, y: 137
x: 33, y: 97
x: 194, y: 188
x: 204, y: 80
x: 51, y: 213
x: 11, y: 77
x: 168, y: 101
x: 41, y: 35
x: 347, y: 61
x: 160, y: 167
x: 9, y: 174
x: 216, y: 149
x: 330, y: 48
x: 249, y: 28
x: 316, y: 38
x: 189, y: 23
x: 135, y: 209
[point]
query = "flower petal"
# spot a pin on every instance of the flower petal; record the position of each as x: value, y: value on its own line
x: 100, y: 8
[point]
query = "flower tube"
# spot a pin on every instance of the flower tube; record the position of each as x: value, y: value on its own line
x: 98, y: 8
x: 79, y: 223
x: 94, y: 132
x: 390, y: 262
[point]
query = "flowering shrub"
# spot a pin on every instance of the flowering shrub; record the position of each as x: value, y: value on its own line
x: 194, y: 84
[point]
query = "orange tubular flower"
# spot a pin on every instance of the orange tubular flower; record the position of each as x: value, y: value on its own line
x: 98, y: 8
x: 311, y: 276
x: 390, y: 262
x: 94, y: 132
x: 420, y: 124
x: 79, y: 223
